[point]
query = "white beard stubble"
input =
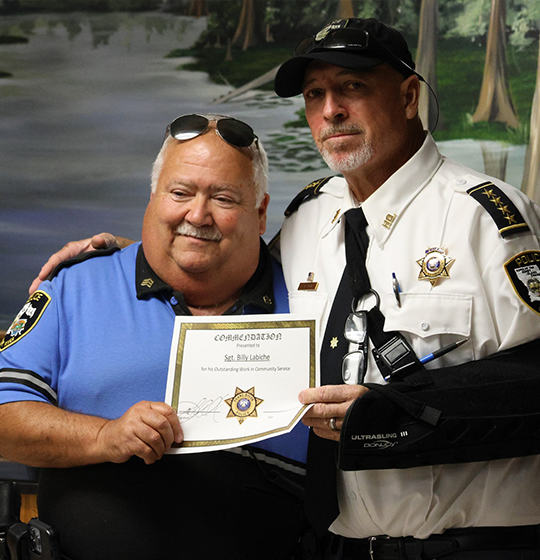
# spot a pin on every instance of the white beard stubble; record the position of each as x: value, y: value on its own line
x: 337, y: 156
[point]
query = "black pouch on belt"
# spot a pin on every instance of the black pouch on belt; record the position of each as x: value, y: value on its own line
x: 477, y: 411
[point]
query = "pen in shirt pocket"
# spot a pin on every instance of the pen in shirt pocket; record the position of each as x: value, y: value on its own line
x: 396, y: 288
x: 442, y: 351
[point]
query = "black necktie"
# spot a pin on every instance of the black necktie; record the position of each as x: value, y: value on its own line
x: 321, y: 502
x: 356, y: 246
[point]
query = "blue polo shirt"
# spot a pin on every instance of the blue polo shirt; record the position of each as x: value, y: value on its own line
x: 96, y: 338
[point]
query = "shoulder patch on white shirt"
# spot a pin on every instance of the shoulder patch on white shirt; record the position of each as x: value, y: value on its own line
x: 503, y: 211
x: 26, y: 319
x: 308, y: 192
x: 523, y: 270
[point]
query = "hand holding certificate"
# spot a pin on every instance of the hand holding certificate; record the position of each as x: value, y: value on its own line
x: 235, y: 380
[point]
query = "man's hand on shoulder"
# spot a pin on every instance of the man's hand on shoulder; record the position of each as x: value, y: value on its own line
x: 74, y: 248
x: 146, y: 430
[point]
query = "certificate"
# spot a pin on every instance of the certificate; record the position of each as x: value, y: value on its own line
x: 235, y: 380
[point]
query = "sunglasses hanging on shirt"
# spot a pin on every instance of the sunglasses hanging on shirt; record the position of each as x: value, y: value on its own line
x: 354, y: 364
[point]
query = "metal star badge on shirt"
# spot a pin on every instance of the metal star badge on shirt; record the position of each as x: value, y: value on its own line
x: 243, y: 405
x: 434, y: 265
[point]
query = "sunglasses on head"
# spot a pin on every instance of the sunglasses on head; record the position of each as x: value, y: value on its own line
x: 338, y: 39
x: 234, y: 132
x: 349, y: 39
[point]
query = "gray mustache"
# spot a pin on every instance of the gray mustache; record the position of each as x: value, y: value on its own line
x: 209, y: 233
x: 339, y: 129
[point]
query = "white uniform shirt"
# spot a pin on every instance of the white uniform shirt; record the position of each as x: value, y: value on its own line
x: 425, y: 205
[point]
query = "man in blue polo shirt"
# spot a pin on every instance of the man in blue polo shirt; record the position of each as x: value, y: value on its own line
x: 83, y: 371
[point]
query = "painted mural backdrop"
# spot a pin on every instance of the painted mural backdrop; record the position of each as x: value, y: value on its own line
x: 88, y: 86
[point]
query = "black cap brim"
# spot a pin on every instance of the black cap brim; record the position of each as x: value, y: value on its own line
x: 289, y: 79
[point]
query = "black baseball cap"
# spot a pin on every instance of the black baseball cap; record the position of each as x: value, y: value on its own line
x: 349, y: 43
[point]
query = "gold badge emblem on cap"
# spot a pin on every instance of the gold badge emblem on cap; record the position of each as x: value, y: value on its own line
x: 332, y: 26
x: 434, y: 265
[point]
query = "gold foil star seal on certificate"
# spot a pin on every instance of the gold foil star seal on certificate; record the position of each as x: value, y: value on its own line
x: 243, y: 405
x: 435, y: 265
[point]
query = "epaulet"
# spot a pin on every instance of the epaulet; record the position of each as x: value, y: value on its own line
x: 81, y: 258
x: 503, y: 211
x: 308, y: 192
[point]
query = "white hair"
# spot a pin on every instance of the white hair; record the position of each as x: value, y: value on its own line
x: 256, y: 153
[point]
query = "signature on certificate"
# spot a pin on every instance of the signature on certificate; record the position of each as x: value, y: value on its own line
x: 188, y: 410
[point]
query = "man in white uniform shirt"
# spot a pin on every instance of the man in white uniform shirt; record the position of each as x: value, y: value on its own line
x: 447, y: 265
x: 453, y: 258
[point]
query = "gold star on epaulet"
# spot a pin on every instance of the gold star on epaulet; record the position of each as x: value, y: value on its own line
x: 501, y: 208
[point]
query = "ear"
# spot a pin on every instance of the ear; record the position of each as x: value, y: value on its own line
x: 410, y: 94
x: 262, y: 213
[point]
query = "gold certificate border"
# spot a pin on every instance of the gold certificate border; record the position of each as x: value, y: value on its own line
x: 251, y: 326
x: 216, y: 442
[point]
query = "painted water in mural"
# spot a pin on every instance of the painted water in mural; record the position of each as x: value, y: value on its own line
x: 84, y: 116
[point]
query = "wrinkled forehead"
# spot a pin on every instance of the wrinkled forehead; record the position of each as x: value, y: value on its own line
x: 207, y: 148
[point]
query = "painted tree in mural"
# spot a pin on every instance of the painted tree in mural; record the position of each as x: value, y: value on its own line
x: 197, y: 8
x: 426, y: 60
x: 495, y: 102
x: 531, y: 175
x: 246, y: 34
x: 345, y: 9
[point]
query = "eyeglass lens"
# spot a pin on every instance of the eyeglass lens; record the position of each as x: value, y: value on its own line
x: 354, y: 364
x: 235, y: 132
x: 353, y: 367
x: 188, y: 127
x: 356, y: 327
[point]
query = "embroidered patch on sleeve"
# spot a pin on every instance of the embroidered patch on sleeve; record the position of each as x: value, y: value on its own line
x: 26, y: 319
x: 523, y: 270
